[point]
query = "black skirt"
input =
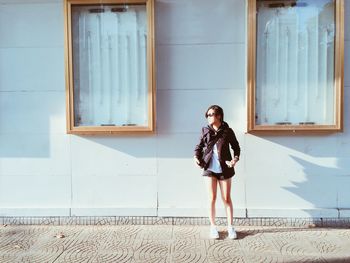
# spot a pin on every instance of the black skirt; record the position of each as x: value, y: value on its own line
x: 219, y: 176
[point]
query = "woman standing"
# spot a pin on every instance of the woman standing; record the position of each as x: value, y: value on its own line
x: 212, y: 153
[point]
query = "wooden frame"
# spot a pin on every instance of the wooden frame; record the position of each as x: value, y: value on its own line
x: 252, y: 127
x: 150, y: 56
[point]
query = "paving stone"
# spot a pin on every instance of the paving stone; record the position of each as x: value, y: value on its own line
x: 171, y: 243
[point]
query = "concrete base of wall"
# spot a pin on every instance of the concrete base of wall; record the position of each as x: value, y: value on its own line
x: 197, y: 212
x: 295, y: 213
x: 173, y: 212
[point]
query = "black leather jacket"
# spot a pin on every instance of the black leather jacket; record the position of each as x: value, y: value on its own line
x: 224, y: 137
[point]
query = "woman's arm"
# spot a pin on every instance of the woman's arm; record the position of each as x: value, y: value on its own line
x: 234, y: 145
x: 198, y: 150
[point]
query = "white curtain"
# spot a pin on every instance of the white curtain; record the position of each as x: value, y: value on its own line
x: 295, y: 62
x: 109, y: 65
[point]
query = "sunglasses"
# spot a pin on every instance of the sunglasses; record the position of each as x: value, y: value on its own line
x: 211, y: 114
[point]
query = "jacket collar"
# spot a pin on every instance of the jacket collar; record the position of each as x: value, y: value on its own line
x: 224, y: 125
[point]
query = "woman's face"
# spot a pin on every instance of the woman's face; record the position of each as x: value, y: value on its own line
x: 212, y: 117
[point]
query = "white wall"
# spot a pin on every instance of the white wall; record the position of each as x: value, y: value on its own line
x: 201, y: 60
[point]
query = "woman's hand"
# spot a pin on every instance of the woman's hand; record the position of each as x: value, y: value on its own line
x: 231, y: 163
x: 196, y: 161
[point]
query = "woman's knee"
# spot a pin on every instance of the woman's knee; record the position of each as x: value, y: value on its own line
x: 227, y: 200
x: 212, y: 199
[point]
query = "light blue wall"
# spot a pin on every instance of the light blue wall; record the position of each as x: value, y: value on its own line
x: 200, y: 60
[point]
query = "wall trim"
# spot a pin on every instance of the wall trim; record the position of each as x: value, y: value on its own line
x: 154, y: 220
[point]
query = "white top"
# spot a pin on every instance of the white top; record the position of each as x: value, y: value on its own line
x: 214, y: 164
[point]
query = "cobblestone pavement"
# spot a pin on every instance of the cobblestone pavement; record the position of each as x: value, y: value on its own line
x: 171, y: 243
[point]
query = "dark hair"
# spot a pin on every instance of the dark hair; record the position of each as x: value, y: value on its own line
x: 217, y: 110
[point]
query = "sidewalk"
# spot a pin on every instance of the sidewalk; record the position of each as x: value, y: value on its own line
x: 171, y: 243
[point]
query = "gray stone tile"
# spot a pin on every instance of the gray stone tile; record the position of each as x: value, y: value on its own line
x: 171, y: 243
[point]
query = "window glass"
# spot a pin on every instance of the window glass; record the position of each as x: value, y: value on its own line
x: 295, y: 62
x: 109, y: 44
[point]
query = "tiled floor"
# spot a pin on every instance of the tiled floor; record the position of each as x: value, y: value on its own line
x: 171, y: 243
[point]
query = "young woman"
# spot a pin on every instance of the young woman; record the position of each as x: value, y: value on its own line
x: 212, y: 153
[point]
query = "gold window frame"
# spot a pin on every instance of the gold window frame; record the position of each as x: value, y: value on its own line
x: 150, y: 57
x: 252, y: 127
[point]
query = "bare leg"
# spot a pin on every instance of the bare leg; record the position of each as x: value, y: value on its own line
x: 225, y: 188
x: 212, y: 187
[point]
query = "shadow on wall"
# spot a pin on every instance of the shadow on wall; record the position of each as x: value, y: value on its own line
x: 324, y: 186
x: 167, y: 145
x: 314, y: 168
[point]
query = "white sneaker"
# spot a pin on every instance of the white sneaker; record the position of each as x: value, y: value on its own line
x: 213, y: 232
x: 231, y: 232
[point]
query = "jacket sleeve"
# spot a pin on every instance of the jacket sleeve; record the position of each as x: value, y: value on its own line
x: 234, y: 144
x: 198, y: 150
